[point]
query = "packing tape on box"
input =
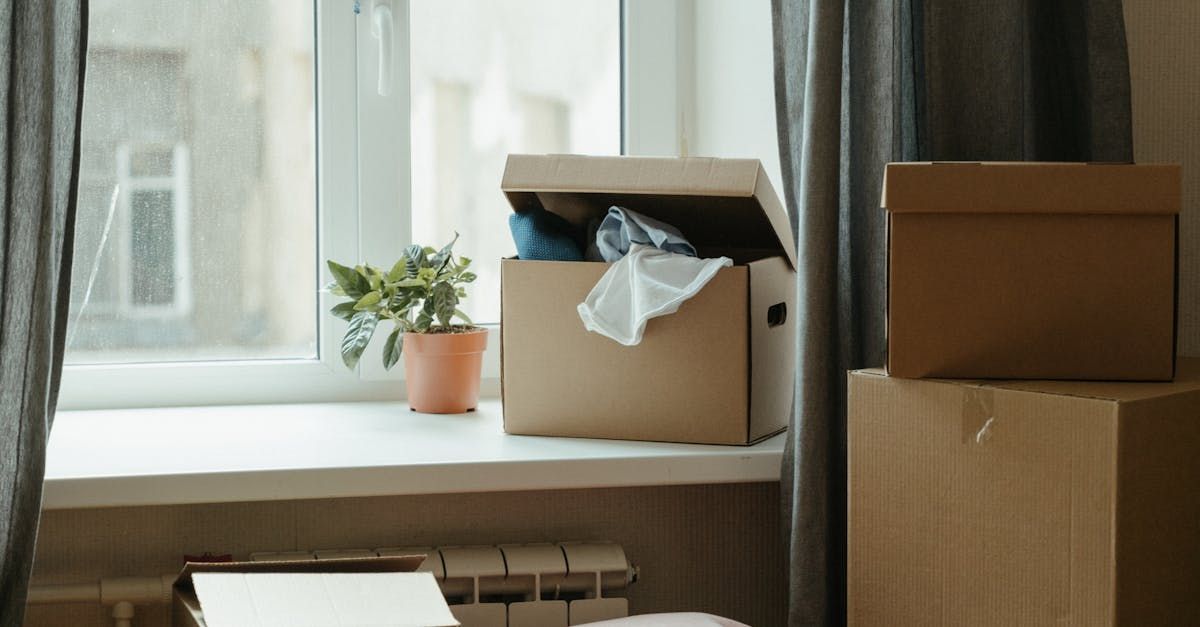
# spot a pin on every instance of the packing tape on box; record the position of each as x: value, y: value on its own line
x: 978, y: 414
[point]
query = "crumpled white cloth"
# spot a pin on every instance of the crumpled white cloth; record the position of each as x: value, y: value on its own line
x: 646, y: 283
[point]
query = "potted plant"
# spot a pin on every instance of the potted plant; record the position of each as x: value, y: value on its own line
x: 420, y: 296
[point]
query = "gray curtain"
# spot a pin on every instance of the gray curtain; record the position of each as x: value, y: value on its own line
x: 42, y: 48
x: 863, y: 82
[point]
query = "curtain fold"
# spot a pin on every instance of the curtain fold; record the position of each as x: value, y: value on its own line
x: 42, y: 49
x: 862, y: 83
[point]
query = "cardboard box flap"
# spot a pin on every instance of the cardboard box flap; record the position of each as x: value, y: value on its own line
x: 718, y: 204
x: 402, y: 564
x: 321, y: 599
x: 1026, y: 187
x: 380, y: 591
x: 1187, y: 379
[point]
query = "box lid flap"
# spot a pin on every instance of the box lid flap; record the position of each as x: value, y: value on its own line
x: 401, y: 564
x: 1026, y: 187
x: 715, y: 203
x: 376, y: 590
x: 388, y: 599
x: 1187, y: 379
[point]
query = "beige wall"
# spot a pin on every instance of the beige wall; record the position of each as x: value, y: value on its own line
x: 703, y: 548
x: 1164, y: 58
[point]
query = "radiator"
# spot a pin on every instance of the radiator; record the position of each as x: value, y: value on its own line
x: 509, y: 585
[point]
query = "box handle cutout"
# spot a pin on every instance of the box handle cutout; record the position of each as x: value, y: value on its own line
x: 776, y: 314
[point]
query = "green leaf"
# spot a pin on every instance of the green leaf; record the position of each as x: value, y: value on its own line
x: 467, y: 277
x: 401, y: 303
x: 424, y: 321
x: 368, y: 299
x: 425, y: 317
x: 414, y: 282
x: 464, y: 317
x: 444, y: 302
x: 353, y: 284
x: 392, y: 348
x: 345, y: 310
x: 358, y: 335
x: 398, y: 271
x: 414, y: 259
x: 443, y: 256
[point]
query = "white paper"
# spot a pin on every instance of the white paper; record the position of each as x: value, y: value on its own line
x: 322, y: 600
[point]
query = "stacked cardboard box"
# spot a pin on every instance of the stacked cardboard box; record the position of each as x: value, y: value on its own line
x: 1025, y: 502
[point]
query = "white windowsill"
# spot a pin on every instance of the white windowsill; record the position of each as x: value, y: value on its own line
x: 328, y: 450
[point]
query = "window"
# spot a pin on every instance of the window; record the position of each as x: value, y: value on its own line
x: 198, y: 205
x: 154, y: 259
x: 492, y: 78
x: 151, y: 241
x: 228, y: 148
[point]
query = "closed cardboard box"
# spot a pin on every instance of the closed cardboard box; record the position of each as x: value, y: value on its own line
x: 1024, y: 503
x: 718, y: 371
x: 1031, y: 270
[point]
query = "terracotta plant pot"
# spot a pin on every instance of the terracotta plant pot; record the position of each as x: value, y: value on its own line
x: 442, y: 370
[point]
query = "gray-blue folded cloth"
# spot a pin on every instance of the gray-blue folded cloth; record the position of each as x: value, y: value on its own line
x: 622, y: 228
x: 543, y: 236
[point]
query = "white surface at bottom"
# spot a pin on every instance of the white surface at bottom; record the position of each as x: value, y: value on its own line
x: 279, y: 452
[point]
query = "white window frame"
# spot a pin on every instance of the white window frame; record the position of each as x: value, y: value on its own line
x: 363, y: 192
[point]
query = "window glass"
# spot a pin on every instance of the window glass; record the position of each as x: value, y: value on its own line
x: 195, y: 235
x: 490, y: 78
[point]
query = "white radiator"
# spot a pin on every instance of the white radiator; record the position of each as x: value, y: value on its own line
x: 516, y: 585
x: 510, y: 585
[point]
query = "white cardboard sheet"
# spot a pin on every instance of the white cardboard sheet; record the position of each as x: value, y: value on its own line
x: 322, y: 600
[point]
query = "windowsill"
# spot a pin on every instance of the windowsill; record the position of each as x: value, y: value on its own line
x: 277, y: 452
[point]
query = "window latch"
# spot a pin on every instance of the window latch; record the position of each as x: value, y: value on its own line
x: 382, y: 30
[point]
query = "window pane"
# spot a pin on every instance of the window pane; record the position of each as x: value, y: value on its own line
x: 490, y: 78
x: 152, y: 250
x: 195, y: 236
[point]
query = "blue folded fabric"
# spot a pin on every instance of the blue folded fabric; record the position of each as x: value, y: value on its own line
x: 543, y: 236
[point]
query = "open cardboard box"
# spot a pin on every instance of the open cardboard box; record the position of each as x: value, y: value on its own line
x: 1032, y: 270
x: 382, y: 591
x: 718, y: 371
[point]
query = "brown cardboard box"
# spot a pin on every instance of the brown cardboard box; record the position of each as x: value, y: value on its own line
x: 379, y: 591
x: 1031, y: 270
x: 718, y: 371
x: 1024, y: 503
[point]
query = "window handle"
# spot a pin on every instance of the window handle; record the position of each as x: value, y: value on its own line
x: 381, y: 29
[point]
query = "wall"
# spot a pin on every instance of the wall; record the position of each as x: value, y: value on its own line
x: 1163, y: 55
x: 703, y: 548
